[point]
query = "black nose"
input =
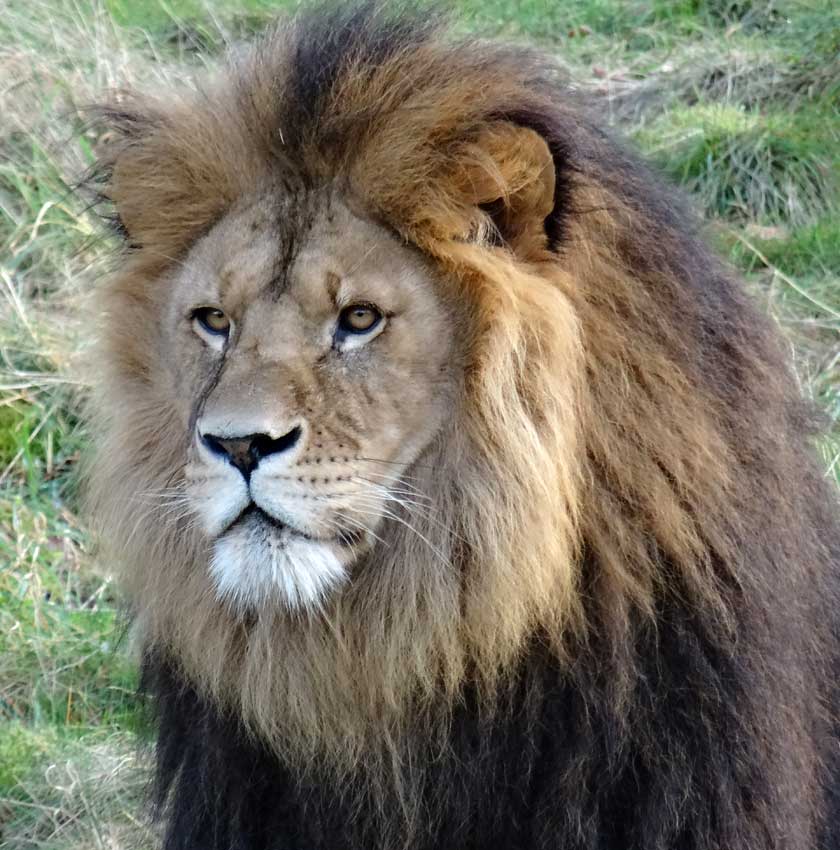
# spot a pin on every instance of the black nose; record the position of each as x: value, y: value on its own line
x: 247, y: 451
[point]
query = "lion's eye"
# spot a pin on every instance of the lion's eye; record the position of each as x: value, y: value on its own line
x: 212, y: 320
x: 358, y: 319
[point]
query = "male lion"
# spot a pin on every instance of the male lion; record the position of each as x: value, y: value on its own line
x: 462, y: 497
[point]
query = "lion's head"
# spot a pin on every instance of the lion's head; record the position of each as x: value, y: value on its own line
x: 405, y: 366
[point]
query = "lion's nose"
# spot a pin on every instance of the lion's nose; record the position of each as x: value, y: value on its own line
x: 247, y: 451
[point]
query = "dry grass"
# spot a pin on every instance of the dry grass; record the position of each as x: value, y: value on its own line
x: 87, y: 799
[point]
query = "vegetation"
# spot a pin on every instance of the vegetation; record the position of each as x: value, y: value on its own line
x: 736, y: 99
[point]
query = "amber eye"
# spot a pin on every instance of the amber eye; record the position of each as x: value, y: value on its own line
x: 212, y: 320
x: 358, y: 319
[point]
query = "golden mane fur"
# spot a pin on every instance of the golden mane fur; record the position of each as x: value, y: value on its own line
x: 591, y: 429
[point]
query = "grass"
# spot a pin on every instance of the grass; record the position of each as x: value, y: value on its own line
x: 735, y: 99
x: 746, y: 165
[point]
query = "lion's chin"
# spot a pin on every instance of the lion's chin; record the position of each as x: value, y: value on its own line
x: 257, y: 564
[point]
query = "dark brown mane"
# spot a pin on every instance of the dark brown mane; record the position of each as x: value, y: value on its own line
x: 651, y: 568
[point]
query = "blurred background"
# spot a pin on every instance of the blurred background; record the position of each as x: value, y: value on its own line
x: 737, y: 100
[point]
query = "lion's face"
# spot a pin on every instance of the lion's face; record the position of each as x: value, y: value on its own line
x: 311, y: 364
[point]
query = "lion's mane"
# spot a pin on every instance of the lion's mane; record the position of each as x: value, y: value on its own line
x: 623, y: 632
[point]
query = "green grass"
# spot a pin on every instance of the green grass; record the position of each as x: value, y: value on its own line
x: 750, y: 165
x: 735, y: 99
x: 809, y: 251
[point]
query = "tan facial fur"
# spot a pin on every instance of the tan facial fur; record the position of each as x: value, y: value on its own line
x: 361, y: 406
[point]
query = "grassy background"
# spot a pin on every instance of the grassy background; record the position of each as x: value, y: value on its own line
x: 735, y: 99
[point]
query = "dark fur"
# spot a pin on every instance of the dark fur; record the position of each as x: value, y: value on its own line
x: 688, y: 732
x: 687, y: 767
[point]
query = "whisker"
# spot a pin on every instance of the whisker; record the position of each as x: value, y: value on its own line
x: 357, y: 525
x: 396, y: 479
x: 395, y: 518
x: 409, y: 494
x: 396, y: 463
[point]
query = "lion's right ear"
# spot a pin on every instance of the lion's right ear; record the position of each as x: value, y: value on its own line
x: 508, y: 175
x: 160, y: 173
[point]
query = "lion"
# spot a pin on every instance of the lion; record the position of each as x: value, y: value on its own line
x: 462, y: 497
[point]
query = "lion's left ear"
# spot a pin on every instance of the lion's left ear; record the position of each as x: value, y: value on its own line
x: 508, y: 177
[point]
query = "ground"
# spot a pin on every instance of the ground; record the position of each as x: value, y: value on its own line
x: 735, y: 99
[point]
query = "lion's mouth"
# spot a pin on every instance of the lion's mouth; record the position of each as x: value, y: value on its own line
x: 253, y: 515
x: 260, y: 558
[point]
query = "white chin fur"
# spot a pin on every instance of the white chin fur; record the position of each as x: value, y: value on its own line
x: 255, y: 565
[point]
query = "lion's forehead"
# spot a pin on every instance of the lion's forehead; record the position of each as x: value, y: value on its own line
x: 329, y: 256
